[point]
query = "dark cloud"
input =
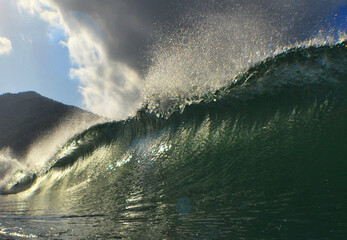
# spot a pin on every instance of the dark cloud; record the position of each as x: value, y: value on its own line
x: 129, y: 27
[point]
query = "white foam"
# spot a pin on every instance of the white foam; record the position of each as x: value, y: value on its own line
x: 8, y: 166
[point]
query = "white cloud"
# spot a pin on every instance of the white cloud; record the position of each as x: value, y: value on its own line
x: 5, y: 46
x: 46, y: 9
x: 110, y: 88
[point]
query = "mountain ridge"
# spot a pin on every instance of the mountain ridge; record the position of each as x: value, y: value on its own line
x: 25, y: 116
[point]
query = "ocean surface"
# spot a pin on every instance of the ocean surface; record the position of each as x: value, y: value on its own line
x: 264, y: 157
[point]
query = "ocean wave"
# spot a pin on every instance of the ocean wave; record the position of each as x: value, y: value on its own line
x: 307, y: 79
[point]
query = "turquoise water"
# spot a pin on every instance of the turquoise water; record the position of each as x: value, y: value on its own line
x: 263, y: 158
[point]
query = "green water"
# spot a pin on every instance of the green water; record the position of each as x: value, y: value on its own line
x: 264, y: 158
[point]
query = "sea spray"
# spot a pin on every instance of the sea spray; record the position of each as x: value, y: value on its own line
x: 8, y: 165
x: 193, y: 63
x: 17, y: 175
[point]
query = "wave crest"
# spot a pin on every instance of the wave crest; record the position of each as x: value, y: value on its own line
x: 290, y: 66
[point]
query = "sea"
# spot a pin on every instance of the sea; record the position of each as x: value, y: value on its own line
x: 262, y: 157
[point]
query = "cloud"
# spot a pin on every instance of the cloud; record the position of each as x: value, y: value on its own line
x: 109, y: 87
x: 107, y: 42
x: 5, y: 46
x: 111, y: 42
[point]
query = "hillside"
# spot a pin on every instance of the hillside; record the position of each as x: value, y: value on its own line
x: 26, y: 116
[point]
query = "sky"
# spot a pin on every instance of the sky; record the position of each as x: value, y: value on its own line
x: 31, y: 58
x: 97, y: 54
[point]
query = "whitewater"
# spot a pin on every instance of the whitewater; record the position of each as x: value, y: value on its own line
x: 237, y: 137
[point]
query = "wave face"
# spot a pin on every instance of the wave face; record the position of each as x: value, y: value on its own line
x: 264, y: 158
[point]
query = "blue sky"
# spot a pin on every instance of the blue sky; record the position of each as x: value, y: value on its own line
x: 37, y: 62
